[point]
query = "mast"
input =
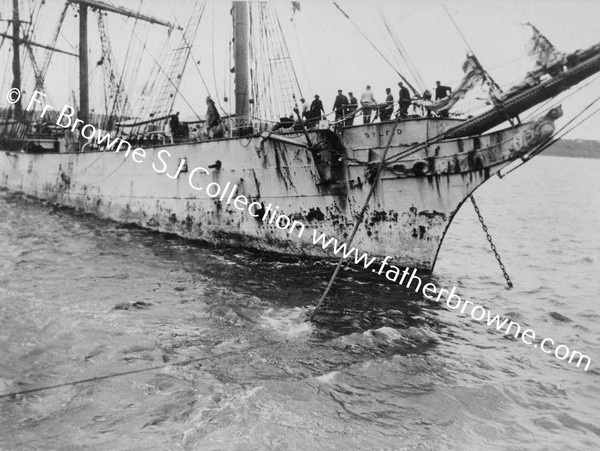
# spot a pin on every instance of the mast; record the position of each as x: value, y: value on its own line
x: 84, y: 94
x: 16, y: 63
x: 83, y: 48
x: 241, y: 33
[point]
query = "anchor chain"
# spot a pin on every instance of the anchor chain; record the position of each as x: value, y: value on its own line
x: 489, y: 238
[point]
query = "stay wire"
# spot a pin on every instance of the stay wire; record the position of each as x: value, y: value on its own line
x: 419, y: 146
x: 359, y: 218
x: 113, y: 109
x: 415, y: 92
x: 212, y: 38
x: 306, y: 77
x: 168, y: 78
x: 136, y: 371
x: 559, y: 134
x: 195, y: 61
x: 553, y: 102
x: 403, y: 53
x: 564, y: 130
x: 287, y: 52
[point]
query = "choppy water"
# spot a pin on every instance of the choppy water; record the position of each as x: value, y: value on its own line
x: 381, y: 369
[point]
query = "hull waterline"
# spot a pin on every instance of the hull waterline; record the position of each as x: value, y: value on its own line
x: 414, y: 201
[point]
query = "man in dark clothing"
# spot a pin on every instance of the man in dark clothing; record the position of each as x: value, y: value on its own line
x: 316, y: 110
x: 212, y: 114
x: 213, y: 118
x: 174, y: 123
x: 351, y: 108
x: 440, y: 93
x: 403, y: 100
x: 386, y: 113
x: 338, y: 105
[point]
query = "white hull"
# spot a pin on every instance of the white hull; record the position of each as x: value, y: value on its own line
x: 413, y: 204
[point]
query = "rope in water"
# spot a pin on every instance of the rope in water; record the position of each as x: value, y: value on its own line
x: 139, y: 370
x: 360, y: 217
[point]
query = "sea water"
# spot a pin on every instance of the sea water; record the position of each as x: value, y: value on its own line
x: 381, y: 368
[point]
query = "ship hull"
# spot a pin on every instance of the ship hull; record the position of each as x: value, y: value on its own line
x: 413, y: 203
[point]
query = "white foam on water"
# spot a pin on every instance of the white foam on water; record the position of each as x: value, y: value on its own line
x: 288, y: 322
x: 327, y: 377
x: 389, y: 332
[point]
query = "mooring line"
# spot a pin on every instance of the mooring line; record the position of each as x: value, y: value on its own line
x: 360, y: 218
x: 139, y: 370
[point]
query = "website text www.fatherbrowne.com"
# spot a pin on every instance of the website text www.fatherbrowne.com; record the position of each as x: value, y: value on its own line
x: 283, y: 222
x: 453, y: 301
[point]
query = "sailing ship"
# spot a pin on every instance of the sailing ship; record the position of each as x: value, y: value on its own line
x: 317, y: 174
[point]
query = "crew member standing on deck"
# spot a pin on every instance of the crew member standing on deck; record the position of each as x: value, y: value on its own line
x: 403, y: 100
x: 303, y: 109
x: 440, y: 93
x: 213, y: 118
x: 351, y: 108
x: 367, y: 101
x: 174, y: 124
x: 338, y: 105
x: 316, y: 109
x: 386, y: 113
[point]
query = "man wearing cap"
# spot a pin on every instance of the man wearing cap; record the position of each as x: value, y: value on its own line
x: 316, y: 109
x: 351, y: 108
x: 403, y: 100
x: 386, y: 113
x: 338, y: 105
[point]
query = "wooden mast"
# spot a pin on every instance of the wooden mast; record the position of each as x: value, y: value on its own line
x: 83, y: 48
x: 241, y: 33
x: 16, y: 63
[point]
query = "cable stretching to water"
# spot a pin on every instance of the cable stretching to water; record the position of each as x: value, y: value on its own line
x: 415, y: 92
x: 139, y: 370
x: 360, y: 216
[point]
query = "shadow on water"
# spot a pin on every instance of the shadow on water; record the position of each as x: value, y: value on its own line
x: 360, y: 301
x: 227, y: 356
x: 226, y: 329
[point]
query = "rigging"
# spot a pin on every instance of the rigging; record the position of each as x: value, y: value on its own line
x: 275, y: 84
x: 404, y: 54
x: 120, y: 103
x: 402, y: 77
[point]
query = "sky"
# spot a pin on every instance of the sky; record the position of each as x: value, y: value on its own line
x: 328, y: 50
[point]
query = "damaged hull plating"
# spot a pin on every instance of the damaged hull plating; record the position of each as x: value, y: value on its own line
x: 413, y: 204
